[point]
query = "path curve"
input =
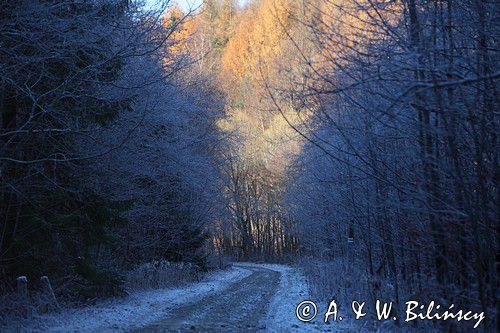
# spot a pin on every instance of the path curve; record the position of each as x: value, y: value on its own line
x: 237, y: 308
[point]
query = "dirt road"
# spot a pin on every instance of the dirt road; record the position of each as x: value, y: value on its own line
x: 238, y: 308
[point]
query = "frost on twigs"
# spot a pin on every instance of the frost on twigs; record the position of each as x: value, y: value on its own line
x: 162, y: 274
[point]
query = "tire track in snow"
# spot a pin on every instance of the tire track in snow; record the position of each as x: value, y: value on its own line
x: 237, y: 308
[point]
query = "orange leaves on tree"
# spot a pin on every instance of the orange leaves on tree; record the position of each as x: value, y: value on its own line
x: 257, y: 40
x: 178, y: 27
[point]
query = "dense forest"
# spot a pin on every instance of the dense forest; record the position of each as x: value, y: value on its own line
x: 109, y: 158
x: 356, y: 139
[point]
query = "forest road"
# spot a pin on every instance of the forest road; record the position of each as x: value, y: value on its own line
x: 238, y: 308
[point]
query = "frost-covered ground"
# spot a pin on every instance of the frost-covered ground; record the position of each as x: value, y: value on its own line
x: 292, y: 290
x: 121, y: 315
x: 246, y: 298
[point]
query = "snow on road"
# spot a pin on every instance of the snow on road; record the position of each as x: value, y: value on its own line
x: 246, y: 298
x: 121, y: 315
x: 291, y: 291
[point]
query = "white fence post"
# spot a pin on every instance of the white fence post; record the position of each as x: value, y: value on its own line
x: 22, y: 296
x: 49, y: 298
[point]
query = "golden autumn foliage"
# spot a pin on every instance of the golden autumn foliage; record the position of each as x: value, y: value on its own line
x: 179, y: 27
x: 251, y: 49
x: 254, y: 57
x: 257, y: 40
